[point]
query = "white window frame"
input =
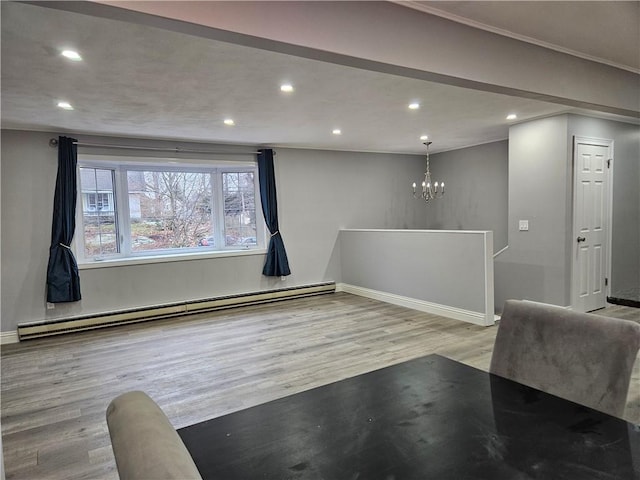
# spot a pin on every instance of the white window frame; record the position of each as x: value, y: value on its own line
x: 121, y: 211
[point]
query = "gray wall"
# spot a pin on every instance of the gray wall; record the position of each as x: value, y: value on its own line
x: 477, y: 183
x: 625, y: 224
x: 449, y: 269
x: 537, y: 265
x: 319, y: 193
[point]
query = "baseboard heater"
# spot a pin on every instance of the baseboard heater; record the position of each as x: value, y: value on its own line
x: 101, y: 320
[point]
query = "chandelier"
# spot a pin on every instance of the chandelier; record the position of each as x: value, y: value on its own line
x: 430, y: 190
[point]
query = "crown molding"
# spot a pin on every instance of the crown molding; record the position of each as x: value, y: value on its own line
x: 417, y: 5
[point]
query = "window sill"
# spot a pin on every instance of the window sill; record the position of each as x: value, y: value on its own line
x: 179, y: 257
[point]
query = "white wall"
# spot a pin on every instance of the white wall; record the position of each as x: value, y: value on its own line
x: 319, y: 192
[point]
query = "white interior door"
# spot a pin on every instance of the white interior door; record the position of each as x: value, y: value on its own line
x: 592, y: 162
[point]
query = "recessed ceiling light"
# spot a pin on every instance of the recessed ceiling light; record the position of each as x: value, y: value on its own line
x: 72, y: 55
x: 414, y: 106
x: 65, y: 105
x: 337, y: 131
x: 229, y: 121
x: 286, y: 87
x: 424, y: 137
x: 512, y: 116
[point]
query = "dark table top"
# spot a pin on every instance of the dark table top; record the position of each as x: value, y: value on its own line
x: 429, y: 418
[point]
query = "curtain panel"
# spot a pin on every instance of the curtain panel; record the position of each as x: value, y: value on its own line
x: 276, y: 263
x: 63, y: 281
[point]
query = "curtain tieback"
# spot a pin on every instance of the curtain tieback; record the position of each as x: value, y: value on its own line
x: 65, y: 246
x: 275, y: 233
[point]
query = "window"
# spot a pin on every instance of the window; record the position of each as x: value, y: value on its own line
x: 239, y: 208
x: 98, y: 201
x: 132, y: 210
x: 99, y: 225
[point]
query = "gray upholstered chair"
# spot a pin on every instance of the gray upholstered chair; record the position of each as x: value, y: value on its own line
x: 581, y: 357
x: 145, y: 444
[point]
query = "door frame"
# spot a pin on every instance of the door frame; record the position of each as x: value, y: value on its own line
x: 604, y: 142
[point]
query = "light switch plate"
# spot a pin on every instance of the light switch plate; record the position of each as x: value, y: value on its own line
x: 523, y: 225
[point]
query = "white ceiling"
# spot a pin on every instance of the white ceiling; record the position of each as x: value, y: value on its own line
x: 607, y: 32
x: 139, y: 81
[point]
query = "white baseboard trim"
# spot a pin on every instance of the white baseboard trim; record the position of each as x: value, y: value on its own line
x: 8, y: 337
x: 566, y: 307
x: 477, y: 318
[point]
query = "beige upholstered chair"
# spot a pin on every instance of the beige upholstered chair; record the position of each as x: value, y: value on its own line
x: 145, y: 444
x: 581, y: 357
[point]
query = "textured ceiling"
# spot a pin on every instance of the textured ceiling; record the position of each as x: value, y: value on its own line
x: 140, y: 81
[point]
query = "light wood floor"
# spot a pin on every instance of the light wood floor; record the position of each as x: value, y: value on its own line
x: 55, y: 391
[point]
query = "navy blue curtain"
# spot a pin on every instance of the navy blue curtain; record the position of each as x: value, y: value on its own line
x: 276, y: 264
x: 63, y: 281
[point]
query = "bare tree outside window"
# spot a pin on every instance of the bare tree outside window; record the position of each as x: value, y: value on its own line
x: 171, y: 209
x: 162, y: 210
x: 239, y: 208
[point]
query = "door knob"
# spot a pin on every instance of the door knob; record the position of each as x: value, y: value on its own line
x: 581, y: 239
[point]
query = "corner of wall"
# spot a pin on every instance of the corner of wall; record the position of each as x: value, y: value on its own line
x: 535, y: 265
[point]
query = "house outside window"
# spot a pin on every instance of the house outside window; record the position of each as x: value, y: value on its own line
x: 98, y: 202
x: 98, y: 212
x: 133, y: 210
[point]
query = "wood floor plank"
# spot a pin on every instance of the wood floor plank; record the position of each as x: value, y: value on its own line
x: 55, y: 391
